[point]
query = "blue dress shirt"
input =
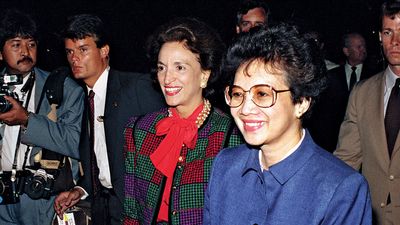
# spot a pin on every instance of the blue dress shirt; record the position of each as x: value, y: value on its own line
x: 311, y: 186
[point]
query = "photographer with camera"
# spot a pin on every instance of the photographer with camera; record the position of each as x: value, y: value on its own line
x: 31, y: 128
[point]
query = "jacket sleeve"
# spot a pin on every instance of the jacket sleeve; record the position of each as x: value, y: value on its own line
x: 130, y: 205
x: 349, y: 146
x: 63, y: 135
x: 350, y: 204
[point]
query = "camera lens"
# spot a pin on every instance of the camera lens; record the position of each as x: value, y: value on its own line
x: 5, y: 105
x: 35, y: 187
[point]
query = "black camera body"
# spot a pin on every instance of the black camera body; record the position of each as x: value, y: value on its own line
x: 38, y: 184
x: 6, y: 82
x: 10, y: 188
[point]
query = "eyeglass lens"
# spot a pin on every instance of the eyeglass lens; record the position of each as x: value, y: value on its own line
x: 261, y: 95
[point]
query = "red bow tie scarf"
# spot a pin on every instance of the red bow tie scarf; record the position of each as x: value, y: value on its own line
x: 178, y: 131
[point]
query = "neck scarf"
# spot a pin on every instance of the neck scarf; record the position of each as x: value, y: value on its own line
x: 178, y: 131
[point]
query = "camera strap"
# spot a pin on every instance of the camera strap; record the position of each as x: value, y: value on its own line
x: 27, y: 88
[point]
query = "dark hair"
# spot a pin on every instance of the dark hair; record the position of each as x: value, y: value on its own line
x: 285, y: 49
x: 389, y: 8
x: 15, y: 23
x: 86, y: 25
x: 199, y: 38
x: 247, y: 5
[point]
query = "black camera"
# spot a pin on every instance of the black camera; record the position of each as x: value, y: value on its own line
x: 38, y: 184
x: 10, y: 188
x: 6, y: 82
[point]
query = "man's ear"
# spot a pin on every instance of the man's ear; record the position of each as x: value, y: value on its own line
x: 380, y: 37
x: 105, y: 50
x: 1, y: 56
x: 237, y: 29
x: 345, y: 51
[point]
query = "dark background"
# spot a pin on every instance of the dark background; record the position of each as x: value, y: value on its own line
x: 131, y: 21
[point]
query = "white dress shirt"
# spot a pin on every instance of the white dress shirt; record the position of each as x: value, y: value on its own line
x: 9, y: 140
x: 390, y: 80
x: 348, y: 71
x: 100, y: 148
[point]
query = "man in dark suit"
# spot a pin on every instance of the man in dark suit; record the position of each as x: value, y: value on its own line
x: 329, y: 111
x: 117, y: 96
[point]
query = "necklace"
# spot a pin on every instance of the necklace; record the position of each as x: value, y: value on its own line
x: 202, y: 115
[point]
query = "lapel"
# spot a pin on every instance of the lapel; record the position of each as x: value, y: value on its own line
x: 342, y: 79
x: 364, y: 73
x: 396, y: 147
x: 40, y: 80
x: 367, y: 72
x: 375, y: 115
x: 112, y: 98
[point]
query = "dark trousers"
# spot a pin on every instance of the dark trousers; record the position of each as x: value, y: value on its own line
x: 106, y: 208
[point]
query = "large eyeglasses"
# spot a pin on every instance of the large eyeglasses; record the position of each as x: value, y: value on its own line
x: 262, y: 95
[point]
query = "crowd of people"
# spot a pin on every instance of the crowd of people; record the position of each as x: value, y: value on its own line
x: 260, y: 132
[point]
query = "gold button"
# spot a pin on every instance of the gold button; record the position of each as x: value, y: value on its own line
x: 382, y: 205
x: 180, y: 167
x: 174, y: 212
x: 391, y: 177
x: 174, y: 187
x: 181, y: 159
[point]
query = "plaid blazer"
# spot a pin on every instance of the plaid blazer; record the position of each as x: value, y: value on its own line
x: 144, y: 184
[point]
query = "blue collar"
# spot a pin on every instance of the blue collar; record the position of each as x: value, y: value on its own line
x: 285, y: 169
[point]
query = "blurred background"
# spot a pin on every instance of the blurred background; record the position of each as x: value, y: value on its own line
x: 130, y: 22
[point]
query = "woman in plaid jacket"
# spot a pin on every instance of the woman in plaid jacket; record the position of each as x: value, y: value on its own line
x: 169, y: 153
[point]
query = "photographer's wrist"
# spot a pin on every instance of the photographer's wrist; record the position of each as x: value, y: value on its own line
x: 26, y: 120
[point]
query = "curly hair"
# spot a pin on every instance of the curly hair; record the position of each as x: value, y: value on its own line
x: 199, y: 38
x: 284, y: 49
x: 15, y: 23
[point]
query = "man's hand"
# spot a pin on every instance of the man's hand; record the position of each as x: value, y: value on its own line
x: 17, y: 114
x: 66, y: 200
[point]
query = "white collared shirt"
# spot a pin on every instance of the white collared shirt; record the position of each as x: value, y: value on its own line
x: 10, y: 137
x: 100, y: 148
x: 390, y: 80
x: 348, y: 71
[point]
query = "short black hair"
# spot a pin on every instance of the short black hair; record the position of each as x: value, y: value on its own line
x: 199, y: 38
x: 247, y: 5
x: 15, y: 23
x: 389, y: 8
x: 284, y: 48
x: 86, y: 25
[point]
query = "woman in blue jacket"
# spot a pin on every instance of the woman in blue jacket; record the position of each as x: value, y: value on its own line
x: 280, y: 176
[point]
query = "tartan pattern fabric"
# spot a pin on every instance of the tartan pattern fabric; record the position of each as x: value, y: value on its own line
x: 144, y: 184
